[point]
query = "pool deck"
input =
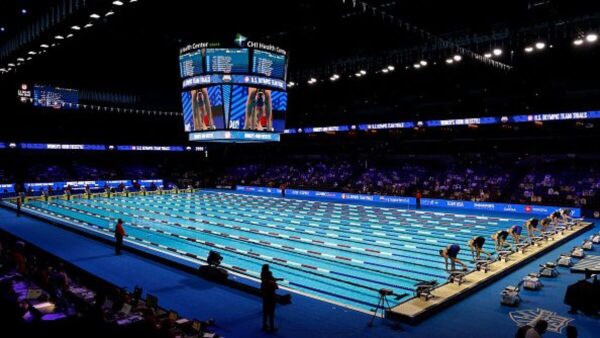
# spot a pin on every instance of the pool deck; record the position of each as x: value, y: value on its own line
x: 416, y: 309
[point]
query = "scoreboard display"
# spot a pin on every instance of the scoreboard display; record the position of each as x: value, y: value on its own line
x: 227, y: 60
x: 55, y: 97
x: 233, y: 94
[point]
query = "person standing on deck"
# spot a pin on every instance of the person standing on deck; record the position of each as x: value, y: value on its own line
x: 418, y: 198
x: 119, y: 234
x: 268, y: 288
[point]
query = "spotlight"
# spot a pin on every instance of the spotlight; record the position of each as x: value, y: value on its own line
x: 528, y: 49
x: 417, y: 66
x: 578, y: 42
x: 591, y: 37
x: 2, y: 29
x: 487, y: 55
x: 31, y: 52
x: 291, y: 84
x: 23, y: 11
x: 497, y: 51
x: 75, y: 28
x: 391, y: 68
x: 70, y: 35
x: 20, y: 59
x: 95, y: 16
x: 359, y: 74
x: 43, y: 45
x: 457, y: 58
x: 423, y: 63
x: 363, y: 72
x: 540, y: 45
x: 11, y: 64
x: 109, y: 13
x: 385, y: 70
x: 88, y: 25
x: 449, y: 61
x: 334, y: 77
x: 118, y: 3
x: 312, y: 80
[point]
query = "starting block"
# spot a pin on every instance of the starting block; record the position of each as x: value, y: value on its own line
x: 548, y: 235
x: 423, y: 289
x: 538, y: 240
x: 522, y: 247
x: 457, y: 277
x: 504, y: 255
x: 483, y: 264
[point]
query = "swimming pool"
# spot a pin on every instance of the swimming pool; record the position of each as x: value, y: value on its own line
x: 342, y: 253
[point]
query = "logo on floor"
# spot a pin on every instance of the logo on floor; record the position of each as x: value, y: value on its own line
x: 528, y: 317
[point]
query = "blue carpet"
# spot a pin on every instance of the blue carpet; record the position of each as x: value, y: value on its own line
x: 239, y: 314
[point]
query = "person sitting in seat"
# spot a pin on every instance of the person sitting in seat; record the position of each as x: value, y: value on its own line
x: 451, y: 252
x: 476, y: 245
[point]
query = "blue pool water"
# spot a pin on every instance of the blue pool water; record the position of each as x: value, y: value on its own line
x: 343, y: 253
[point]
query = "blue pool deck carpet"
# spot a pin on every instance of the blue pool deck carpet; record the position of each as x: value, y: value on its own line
x: 239, y: 314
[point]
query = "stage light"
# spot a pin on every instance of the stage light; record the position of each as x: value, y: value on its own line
x: 109, y: 13
x: 118, y: 3
x: 2, y: 29
x: 11, y: 64
x: 29, y: 58
x: 591, y: 37
x: 528, y: 49
x: 363, y: 72
x: 358, y: 74
x: 31, y: 52
x: 487, y: 55
x: 20, y: 59
x: 457, y: 58
x: 449, y: 61
x: 578, y: 42
x: 423, y: 63
x: 75, y: 28
x: 43, y: 45
x: 291, y: 84
x: 391, y: 68
x: 385, y: 70
x: 95, y: 16
x: 59, y: 37
x: 334, y: 77
x: 497, y: 51
x: 417, y: 66
x: 23, y: 11
x: 312, y: 80
x: 88, y: 25
x: 540, y: 45
x: 133, y: 0
x: 70, y: 35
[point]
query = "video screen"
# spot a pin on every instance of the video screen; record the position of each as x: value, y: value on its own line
x: 190, y: 64
x: 257, y: 109
x: 55, y: 97
x: 268, y: 64
x: 203, y: 109
x: 227, y: 60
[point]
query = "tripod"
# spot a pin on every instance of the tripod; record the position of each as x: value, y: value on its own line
x: 383, y: 305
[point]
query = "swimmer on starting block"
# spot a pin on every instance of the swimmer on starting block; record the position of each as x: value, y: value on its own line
x: 500, y: 240
x: 451, y: 252
x: 476, y: 245
x: 515, y: 232
x: 532, y: 225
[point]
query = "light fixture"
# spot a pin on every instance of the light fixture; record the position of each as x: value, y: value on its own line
x: 497, y: 51
x: 385, y: 70
x: 88, y: 25
x: 11, y: 64
x: 528, y: 49
x: 118, y: 3
x: 391, y: 68
x: 43, y: 45
x: 109, y: 13
x: 70, y: 35
x: 457, y: 57
x: 59, y: 37
x: 487, y: 55
x: 449, y: 61
x: 23, y: 11
x: 75, y: 28
x: 31, y: 52
x: 291, y: 84
x: 312, y: 80
x: 417, y: 66
x: 2, y: 29
x: 358, y: 74
x: 540, y: 45
x: 423, y: 63
x: 591, y: 37
x: 578, y: 42
x: 363, y: 72
x: 20, y: 59
x: 95, y: 16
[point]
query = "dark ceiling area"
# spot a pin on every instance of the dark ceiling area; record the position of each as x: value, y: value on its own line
x: 135, y: 52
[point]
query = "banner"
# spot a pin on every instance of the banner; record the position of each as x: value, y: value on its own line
x: 411, y: 201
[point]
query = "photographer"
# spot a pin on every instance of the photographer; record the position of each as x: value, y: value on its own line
x: 268, y: 287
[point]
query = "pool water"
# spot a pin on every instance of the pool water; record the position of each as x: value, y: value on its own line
x: 342, y: 253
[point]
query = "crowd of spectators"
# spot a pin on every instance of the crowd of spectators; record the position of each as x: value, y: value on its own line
x: 536, y: 181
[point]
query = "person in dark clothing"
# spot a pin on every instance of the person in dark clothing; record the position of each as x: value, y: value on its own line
x: 572, y: 332
x: 418, y: 198
x: 19, y: 206
x: 282, y: 187
x: 451, y: 252
x: 119, y: 234
x: 268, y: 287
x: 476, y: 244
